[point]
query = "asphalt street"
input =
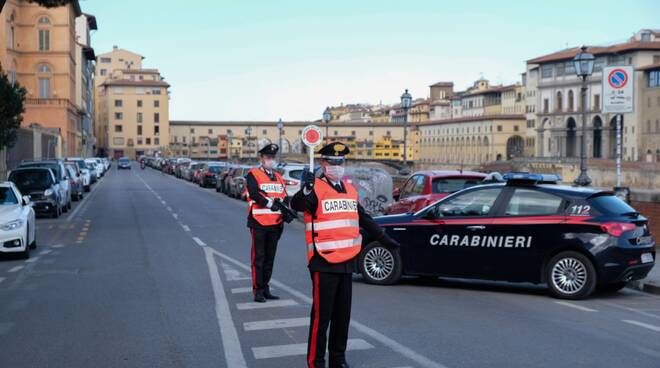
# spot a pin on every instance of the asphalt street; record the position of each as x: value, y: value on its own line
x: 152, y: 271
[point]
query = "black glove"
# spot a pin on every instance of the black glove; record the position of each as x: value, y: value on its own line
x: 276, y: 206
x: 288, y: 215
x: 308, y: 178
x: 389, y: 242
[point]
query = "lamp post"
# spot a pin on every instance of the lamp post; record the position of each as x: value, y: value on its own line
x: 248, y: 131
x: 280, y: 126
x: 584, y: 66
x: 406, y: 101
x: 327, y: 116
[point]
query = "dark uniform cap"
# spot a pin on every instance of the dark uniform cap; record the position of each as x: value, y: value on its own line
x: 269, y: 149
x: 334, y: 150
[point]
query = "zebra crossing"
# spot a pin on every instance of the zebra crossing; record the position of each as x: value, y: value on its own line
x: 274, y: 334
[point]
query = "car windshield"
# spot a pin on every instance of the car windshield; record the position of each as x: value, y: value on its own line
x: 215, y: 169
x: 27, y: 180
x: 49, y: 165
x: 123, y: 160
x: 450, y: 185
x: 7, y: 196
x: 611, y: 205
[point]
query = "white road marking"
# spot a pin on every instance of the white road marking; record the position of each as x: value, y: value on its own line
x: 634, y: 310
x: 2, y: 279
x: 17, y: 268
x: 169, y: 209
x: 84, y: 202
x: 278, y: 351
x: 234, y: 275
x: 163, y: 202
x: 185, y: 228
x: 175, y: 216
x: 276, y: 323
x: 230, y: 342
x: 578, y: 307
x: 382, y: 339
x: 47, y: 251
x: 57, y: 246
x: 32, y: 260
x: 242, y: 290
x: 269, y: 304
x: 642, y: 324
x: 199, y: 241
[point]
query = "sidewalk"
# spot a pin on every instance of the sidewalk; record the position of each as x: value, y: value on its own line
x: 651, y: 284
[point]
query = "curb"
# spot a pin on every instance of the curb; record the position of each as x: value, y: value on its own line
x: 646, y: 287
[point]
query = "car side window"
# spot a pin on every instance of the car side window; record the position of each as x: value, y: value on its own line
x: 418, y: 189
x: 474, y: 203
x: 530, y: 202
x: 407, y: 187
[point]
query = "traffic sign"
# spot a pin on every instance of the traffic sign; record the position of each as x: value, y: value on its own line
x: 312, y: 136
x: 618, y: 89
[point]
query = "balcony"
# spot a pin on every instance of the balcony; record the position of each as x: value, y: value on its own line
x: 51, y: 102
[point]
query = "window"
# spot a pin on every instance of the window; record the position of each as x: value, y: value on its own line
x: 156, y: 103
x: 646, y: 37
x: 148, y: 141
x: 139, y: 130
x: 451, y: 185
x: 156, y: 91
x: 139, y: 117
x: 119, y: 103
x: 106, y: 60
x: 118, y: 129
x: 561, y: 67
x: 654, y: 78
x: 44, y: 40
x: 546, y: 71
x: 139, y: 90
x: 515, y: 128
x: 157, y: 142
x: 546, y: 105
x: 596, y: 102
x: 353, y: 133
x: 44, y: 87
x: 499, y: 128
x: 139, y: 141
x: 473, y: 203
x: 570, y: 100
x: 156, y: 130
x: 336, y: 133
x: 104, y: 72
x: 119, y: 116
x: 264, y: 132
x: 118, y: 90
x: 156, y: 117
x: 139, y: 103
x: 529, y: 202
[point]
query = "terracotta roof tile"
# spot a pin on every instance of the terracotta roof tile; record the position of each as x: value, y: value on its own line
x: 649, y: 67
x: 596, y: 50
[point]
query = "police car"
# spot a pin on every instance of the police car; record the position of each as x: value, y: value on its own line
x: 523, y: 230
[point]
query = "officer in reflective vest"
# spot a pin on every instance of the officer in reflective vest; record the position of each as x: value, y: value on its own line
x: 333, y: 218
x: 266, y: 195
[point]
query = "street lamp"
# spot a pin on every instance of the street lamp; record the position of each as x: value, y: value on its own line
x: 584, y: 67
x: 406, y: 101
x: 280, y: 126
x: 327, y: 116
x: 248, y: 131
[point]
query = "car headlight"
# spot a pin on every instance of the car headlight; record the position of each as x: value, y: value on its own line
x: 12, y: 225
x: 48, y: 192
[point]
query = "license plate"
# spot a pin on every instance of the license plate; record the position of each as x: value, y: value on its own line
x: 647, y: 257
x: 643, y: 240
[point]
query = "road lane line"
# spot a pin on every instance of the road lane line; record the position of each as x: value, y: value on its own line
x: 578, y: 307
x: 32, y: 260
x: 384, y: 340
x: 17, y: 268
x: 279, y: 351
x: 234, y: 275
x: 242, y: 290
x: 230, y: 342
x: 199, y: 241
x: 276, y: 323
x: 84, y: 201
x: 169, y: 209
x: 629, y: 309
x: 270, y: 304
x: 2, y: 279
x: 185, y: 228
x: 44, y: 252
x: 176, y: 217
x: 642, y: 324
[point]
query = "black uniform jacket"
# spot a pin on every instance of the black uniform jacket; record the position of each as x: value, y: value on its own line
x: 257, y: 196
x: 308, y: 203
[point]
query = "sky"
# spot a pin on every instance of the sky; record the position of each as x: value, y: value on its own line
x: 266, y: 59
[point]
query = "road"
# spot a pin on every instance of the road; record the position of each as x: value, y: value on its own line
x: 151, y: 271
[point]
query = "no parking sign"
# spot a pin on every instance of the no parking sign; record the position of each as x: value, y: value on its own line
x: 618, y: 89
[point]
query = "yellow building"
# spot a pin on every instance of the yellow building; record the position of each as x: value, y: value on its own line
x: 132, y: 106
x: 38, y: 49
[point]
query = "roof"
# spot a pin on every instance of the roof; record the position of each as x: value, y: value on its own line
x: 442, y: 84
x: 140, y: 71
x: 649, y: 67
x: 445, y: 173
x: 91, y: 21
x: 493, y: 89
x: 569, y: 54
x: 142, y: 83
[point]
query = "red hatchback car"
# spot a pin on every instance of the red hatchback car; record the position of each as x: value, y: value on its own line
x: 425, y: 187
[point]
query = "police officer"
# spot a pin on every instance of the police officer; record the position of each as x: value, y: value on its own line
x: 333, y: 218
x: 266, y: 194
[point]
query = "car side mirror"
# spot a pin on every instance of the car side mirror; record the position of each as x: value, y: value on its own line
x: 26, y: 200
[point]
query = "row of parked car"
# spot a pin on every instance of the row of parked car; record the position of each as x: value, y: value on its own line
x: 44, y: 187
x: 225, y: 177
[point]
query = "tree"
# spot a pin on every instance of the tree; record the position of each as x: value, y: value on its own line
x: 11, y: 110
x: 44, y: 3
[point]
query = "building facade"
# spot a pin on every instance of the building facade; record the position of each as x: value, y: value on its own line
x: 85, y: 66
x: 650, y: 114
x: 132, y: 106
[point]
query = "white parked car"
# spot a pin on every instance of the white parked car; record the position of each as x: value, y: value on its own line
x: 84, y: 171
x: 291, y: 173
x: 17, y: 225
x: 98, y: 168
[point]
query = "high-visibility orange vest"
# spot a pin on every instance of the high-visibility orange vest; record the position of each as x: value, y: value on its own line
x: 270, y: 189
x: 334, y: 230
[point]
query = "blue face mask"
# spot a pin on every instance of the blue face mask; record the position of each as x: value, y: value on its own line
x: 269, y: 164
x: 334, y: 172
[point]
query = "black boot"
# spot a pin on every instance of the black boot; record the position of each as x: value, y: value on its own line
x: 270, y: 296
x: 259, y: 297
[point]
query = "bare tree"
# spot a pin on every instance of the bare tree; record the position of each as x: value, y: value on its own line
x: 44, y: 3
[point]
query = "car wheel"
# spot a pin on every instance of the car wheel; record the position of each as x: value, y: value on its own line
x: 571, y: 275
x: 613, y: 287
x: 56, y: 212
x: 80, y: 196
x: 65, y: 208
x: 380, y: 265
x: 87, y: 188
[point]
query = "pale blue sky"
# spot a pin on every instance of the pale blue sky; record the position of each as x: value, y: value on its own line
x: 263, y: 60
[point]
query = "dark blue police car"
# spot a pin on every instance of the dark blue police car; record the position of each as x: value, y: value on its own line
x: 524, y: 230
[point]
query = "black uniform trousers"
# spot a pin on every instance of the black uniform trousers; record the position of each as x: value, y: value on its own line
x: 264, y: 247
x: 331, y: 308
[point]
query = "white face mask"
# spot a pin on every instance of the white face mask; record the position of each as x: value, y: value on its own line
x: 269, y: 164
x: 334, y: 172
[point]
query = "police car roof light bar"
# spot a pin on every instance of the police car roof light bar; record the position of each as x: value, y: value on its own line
x: 531, y: 178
